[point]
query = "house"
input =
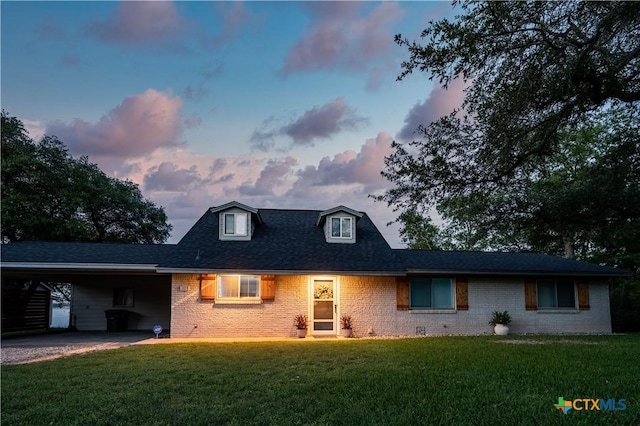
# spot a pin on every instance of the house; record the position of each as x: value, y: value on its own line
x: 243, y: 271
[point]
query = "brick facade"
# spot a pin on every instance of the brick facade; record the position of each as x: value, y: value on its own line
x: 371, y: 302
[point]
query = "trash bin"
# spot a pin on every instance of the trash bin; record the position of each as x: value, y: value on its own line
x: 116, y: 319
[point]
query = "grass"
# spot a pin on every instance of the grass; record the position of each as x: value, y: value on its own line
x: 443, y: 380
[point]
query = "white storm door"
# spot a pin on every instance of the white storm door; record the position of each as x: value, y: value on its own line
x: 324, y: 306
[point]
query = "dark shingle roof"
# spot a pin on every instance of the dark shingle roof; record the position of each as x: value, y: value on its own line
x: 499, y: 263
x: 68, y: 252
x: 288, y: 240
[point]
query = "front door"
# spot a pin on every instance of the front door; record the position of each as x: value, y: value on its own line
x: 324, y: 306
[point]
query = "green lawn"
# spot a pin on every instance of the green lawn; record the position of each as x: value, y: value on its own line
x: 440, y: 380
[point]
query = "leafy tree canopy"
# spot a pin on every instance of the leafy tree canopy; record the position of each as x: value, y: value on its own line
x: 48, y: 195
x: 533, y: 67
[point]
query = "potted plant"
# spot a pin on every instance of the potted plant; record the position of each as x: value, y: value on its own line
x: 345, y: 322
x: 300, y: 321
x: 500, y: 322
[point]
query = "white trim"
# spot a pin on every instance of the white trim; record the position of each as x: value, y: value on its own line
x: 336, y: 305
x: 240, y: 224
x: 340, y: 219
x: 278, y: 272
x: 558, y: 311
x: 507, y: 273
x: 81, y: 266
x: 238, y: 299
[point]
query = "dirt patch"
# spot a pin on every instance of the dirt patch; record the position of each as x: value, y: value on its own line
x: 29, y: 354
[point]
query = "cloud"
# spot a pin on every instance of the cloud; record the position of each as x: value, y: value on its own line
x: 138, y: 126
x: 319, y: 122
x: 34, y: 128
x: 169, y: 177
x: 346, y: 168
x: 440, y: 103
x: 322, y: 122
x: 233, y: 17
x: 264, y: 140
x: 138, y: 22
x: 187, y: 183
x: 339, y: 38
x: 272, y: 176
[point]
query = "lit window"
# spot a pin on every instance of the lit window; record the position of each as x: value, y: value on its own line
x: 341, y: 227
x: 123, y: 297
x: 431, y: 293
x: 556, y: 294
x: 235, y: 224
x: 238, y: 287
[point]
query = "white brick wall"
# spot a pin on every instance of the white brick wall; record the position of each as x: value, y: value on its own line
x: 371, y: 301
x: 192, y: 318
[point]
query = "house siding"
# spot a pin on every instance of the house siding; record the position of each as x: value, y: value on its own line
x: 92, y: 297
x: 371, y: 302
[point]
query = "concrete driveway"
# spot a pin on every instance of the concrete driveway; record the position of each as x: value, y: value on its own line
x: 44, y: 347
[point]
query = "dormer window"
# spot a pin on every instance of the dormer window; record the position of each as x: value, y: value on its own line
x: 339, y: 224
x: 235, y: 224
x: 236, y: 221
x: 341, y: 227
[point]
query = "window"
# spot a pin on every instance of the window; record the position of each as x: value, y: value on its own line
x: 431, y: 293
x: 123, y: 297
x: 235, y: 224
x: 238, y: 287
x: 556, y: 294
x: 341, y: 227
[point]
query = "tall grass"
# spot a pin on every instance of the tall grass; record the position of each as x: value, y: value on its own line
x: 444, y: 380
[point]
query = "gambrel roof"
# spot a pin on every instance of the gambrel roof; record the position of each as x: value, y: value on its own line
x: 288, y: 240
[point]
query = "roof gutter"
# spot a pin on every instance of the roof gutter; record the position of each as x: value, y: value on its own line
x: 277, y: 272
x: 78, y: 267
x: 621, y: 273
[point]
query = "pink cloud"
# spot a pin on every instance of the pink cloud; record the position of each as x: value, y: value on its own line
x: 272, y: 176
x: 169, y: 177
x: 440, y: 103
x: 138, y: 126
x: 173, y: 179
x: 362, y: 168
x: 134, y: 22
x: 339, y: 37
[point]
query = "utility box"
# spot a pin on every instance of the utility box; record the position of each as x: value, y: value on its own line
x: 117, y: 319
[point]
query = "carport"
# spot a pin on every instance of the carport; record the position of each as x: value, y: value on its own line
x: 104, y: 277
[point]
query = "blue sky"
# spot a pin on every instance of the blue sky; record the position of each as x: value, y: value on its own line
x: 273, y: 104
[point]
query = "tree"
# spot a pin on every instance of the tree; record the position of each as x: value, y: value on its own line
x: 534, y: 67
x: 418, y: 231
x: 48, y: 195
x: 584, y: 200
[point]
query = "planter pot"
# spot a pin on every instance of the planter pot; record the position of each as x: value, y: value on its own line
x: 302, y: 332
x: 501, y: 330
x: 346, y: 332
